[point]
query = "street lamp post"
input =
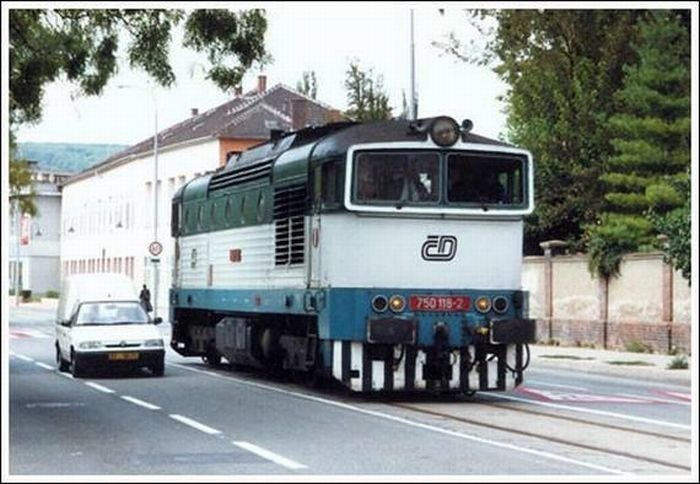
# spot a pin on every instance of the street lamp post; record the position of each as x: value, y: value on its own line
x: 154, y: 261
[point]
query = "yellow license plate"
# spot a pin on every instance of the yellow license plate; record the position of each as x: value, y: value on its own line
x: 124, y: 356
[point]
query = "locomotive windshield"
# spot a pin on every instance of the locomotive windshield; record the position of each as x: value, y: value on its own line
x: 408, y: 178
x: 432, y: 179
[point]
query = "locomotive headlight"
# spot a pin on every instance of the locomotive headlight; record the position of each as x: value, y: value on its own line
x: 397, y: 303
x: 444, y: 131
x: 482, y: 304
x: 379, y: 303
x: 500, y: 304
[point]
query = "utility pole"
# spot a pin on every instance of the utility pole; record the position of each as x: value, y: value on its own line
x: 155, y: 205
x: 414, y: 100
x: 18, y: 229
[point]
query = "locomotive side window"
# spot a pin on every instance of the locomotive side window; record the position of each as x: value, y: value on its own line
x: 392, y: 178
x: 484, y: 179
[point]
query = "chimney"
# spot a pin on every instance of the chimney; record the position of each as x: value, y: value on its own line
x: 300, y: 113
x: 194, y: 111
x: 262, y: 84
x: 238, y: 91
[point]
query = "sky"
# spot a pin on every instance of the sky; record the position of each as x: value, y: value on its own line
x: 319, y: 37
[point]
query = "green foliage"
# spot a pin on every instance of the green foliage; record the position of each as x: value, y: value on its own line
x: 680, y: 362
x: 609, y: 241
x: 366, y: 97
x: 67, y: 157
x: 636, y: 346
x: 651, y: 137
x: 562, y: 68
x: 308, y: 84
x: 52, y: 294
x: 21, y: 185
x: 82, y: 45
x: 675, y: 226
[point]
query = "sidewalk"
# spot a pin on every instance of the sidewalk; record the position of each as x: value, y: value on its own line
x: 642, y: 366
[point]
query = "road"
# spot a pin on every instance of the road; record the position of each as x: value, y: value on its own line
x: 197, y: 420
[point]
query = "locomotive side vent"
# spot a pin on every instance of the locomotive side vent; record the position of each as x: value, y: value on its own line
x: 244, y: 174
x: 290, y: 204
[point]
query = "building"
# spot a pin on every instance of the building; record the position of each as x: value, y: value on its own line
x: 109, y: 209
x: 34, y: 243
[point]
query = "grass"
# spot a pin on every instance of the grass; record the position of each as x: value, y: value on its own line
x: 567, y: 357
x: 629, y: 363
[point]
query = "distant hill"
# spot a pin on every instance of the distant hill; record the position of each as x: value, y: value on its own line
x: 66, y: 157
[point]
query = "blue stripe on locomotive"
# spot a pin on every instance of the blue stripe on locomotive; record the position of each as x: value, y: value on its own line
x: 343, y: 312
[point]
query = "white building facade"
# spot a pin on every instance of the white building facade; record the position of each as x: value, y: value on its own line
x: 34, y: 242
x: 113, y: 212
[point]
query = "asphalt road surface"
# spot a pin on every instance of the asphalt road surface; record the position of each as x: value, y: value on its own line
x: 197, y: 420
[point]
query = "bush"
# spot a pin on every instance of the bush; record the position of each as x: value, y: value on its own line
x: 680, y: 362
x: 51, y: 294
x: 636, y: 346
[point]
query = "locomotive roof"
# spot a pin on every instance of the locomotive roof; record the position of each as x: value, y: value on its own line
x: 287, y: 154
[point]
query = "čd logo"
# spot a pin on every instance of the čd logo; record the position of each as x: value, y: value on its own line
x: 439, y: 248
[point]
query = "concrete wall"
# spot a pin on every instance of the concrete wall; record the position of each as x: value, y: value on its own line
x: 648, y: 303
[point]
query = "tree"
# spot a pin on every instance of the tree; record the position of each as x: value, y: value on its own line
x: 308, y: 84
x: 562, y: 68
x: 648, y: 174
x: 21, y: 186
x: 82, y: 46
x: 366, y: 97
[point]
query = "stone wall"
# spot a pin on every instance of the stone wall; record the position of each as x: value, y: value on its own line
x: 647, y: 306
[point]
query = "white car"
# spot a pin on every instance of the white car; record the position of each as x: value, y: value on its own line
x: 103, y: 325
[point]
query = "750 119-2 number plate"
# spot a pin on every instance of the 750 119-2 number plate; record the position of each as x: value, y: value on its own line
x: 439, y: 303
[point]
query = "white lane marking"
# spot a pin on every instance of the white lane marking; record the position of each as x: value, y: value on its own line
x: 66, y: 375
x: 266, y: 454
x: 655, y: 399
x: 662, y: 423
x: 193, y: 423
x: 431, y: 428
x: 556, y: 396
x: 99, y: 387
x: 555, y: 385
x: 44, y: 365
x: 141, y: 403
x: 682, y: 396
x: 24, y: 358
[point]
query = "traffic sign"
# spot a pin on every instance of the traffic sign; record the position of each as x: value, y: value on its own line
x: 155, y: 248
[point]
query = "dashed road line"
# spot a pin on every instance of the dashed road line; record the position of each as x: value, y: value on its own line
x: 24, y: 358
x: 44, y: 366
x: 99, y: 387
x: 194, y: 424
x: 266, y: 454
x: 140, y: 403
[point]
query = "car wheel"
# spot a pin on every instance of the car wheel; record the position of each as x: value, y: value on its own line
x: 60, y: 362
x: 159, y: 368
x: 76, y: 366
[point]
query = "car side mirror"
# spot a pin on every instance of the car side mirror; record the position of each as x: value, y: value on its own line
x: 158, y: 320
x: 64, y: 322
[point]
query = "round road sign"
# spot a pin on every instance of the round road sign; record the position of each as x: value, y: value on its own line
x: 155, y: 248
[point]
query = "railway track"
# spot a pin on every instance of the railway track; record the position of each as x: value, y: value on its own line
x: 664, y: 449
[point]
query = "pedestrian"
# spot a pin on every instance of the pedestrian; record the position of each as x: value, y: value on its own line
x: 145, y: 298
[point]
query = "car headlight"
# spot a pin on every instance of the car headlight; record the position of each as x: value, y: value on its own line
x: 154, y: 343
x: 90, y: 345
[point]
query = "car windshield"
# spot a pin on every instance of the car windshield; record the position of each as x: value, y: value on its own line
x: 106, y: 313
